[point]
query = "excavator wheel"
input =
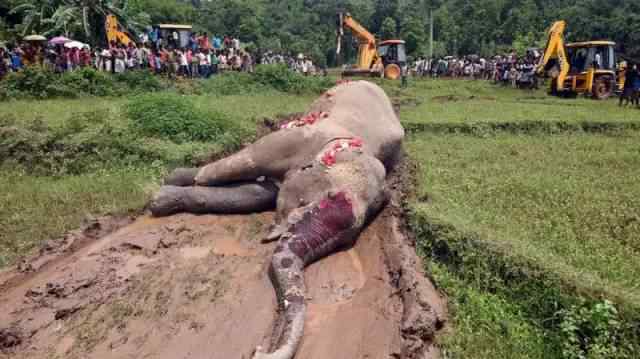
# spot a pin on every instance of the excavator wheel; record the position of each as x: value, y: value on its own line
x: 392, y: 72
x: 602, y: 88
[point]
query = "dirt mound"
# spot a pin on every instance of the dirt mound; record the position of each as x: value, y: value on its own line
x: 196, y: 287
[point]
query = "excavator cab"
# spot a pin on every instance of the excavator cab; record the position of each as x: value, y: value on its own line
x: 394, y: 57
x: 587, y: 68
x: 384, y: 59
x: 592, y: 68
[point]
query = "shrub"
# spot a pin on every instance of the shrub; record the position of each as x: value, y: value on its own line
x: 281, y: 78
x: 33, y: 82
x: 85, y: 81
x: 140, y: 81
x: 40, y: 83
x: 231, y: 84
x: 176, y: 118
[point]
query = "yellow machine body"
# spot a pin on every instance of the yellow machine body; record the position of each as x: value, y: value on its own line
x: 578, y: 68
x: 383, y: 59
x: 115, y: 32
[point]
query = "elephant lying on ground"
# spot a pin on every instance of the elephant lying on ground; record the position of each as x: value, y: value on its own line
x: 325, y: 174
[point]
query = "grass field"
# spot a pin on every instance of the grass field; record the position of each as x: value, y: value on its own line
x: 43, y: 204
x: 471, y: 102
x: 527, y: 207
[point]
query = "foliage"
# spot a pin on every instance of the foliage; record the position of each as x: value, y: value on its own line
x: 231, y: 84
x: 460, y: 26
x: 176, y: 118
x: 84, y: 143
x: 281, y: 78
x: 81, y: 19
x: 39, y: 83
x: 389, y: 28
x: 591, y: 331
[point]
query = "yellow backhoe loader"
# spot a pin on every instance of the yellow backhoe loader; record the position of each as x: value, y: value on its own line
x: 578, y: 68
x: 384, y: 59
x: 115, y: 32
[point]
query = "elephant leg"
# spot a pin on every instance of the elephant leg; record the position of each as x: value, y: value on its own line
x: 182, y: 177
x: 271, y: 156
x: 232, y: 199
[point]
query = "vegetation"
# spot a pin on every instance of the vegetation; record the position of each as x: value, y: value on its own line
x: 530, y: 224
x: 525, y: 208
x: 38, y: 83
x: 460, y: 26
x: 63, y: 160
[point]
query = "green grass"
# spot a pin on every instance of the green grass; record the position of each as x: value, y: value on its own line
x: 570, y: 203
x: 33, y: 209
x: 527, y: 209
x: 463, y: 101
x: 248, y: 108
x: 96, y: 173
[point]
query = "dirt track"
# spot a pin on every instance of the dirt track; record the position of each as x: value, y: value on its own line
x: 196, y: 287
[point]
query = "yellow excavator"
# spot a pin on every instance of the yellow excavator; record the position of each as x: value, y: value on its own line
x: 384, y: 59
x: 587, y: 68
x: 115, y: 32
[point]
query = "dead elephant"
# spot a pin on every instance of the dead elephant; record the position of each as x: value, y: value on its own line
x: 325, y: 175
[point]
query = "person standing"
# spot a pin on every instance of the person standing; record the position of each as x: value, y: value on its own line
x: 16, y: 59
x: 182, y: 61
x: 214, y: 63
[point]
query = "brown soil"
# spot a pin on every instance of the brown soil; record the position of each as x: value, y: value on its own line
x: 196, y: 287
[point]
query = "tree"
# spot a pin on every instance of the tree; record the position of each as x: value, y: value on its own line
x: 388, y: 29
x: 83, y: 19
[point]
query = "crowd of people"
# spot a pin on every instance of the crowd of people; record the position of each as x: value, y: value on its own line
x: 200, y: 57
x: 509, y: 69
x: 301, y: 64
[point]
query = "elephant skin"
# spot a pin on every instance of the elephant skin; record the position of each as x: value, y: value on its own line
x: 330, y: 167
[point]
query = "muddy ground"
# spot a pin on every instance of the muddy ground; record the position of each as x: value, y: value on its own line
x: 196, y: 287
x: 192, y: 286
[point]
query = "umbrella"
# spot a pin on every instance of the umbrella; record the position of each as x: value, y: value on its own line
x: 75, y: 44
x: 35, y: 38
x: 59, y: 40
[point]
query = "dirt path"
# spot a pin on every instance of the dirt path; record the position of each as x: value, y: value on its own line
x: 196, y: 287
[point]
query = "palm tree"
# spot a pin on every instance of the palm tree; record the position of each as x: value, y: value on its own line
x: 83, y: 18
x: 34, y: 14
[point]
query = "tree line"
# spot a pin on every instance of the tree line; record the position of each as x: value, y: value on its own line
x: 460, y: 27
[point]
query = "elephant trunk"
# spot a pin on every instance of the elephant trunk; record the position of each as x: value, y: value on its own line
x: 323, y: 228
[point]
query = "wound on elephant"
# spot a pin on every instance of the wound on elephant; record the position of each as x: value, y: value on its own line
x: 320, y: 225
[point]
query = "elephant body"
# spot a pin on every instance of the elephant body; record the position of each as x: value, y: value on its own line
x: 325, y: 173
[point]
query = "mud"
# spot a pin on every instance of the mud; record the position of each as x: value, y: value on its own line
x: 191, y: 286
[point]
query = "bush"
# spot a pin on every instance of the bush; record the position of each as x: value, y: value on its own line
x: 140, y: 81
x: 176, y: 118
x: 40, y: 83
x: 281, y: 78
x: 85, y: 81
x: 90, y: 141
x: 32, y: 82
x: 231, y: 84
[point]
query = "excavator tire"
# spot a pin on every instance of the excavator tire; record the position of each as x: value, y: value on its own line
x: 602, y: 88
x: 392, y: 72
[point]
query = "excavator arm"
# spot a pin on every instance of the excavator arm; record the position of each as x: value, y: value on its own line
x: 367, y: 51
x: 554, y: 61
x: 115, y: 33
